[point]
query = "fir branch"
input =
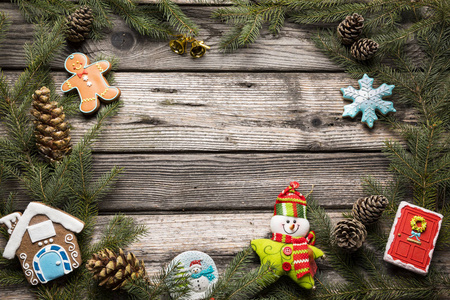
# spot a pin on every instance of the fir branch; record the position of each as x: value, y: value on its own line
x: 342, y: 261
x: 4, y: 25
x: 104, y: 113
x: 11, y: 277
x: 177, y: 19
x: 101, y: 12
x: 171, y: 280
x: 38, y: 11
x: 138, y: 19
x: 48, y: 42
x: 234, y: 269
x: 7, y: 206
x: 238, y: 282
x: 252, y: 282
x: 230, y: 42
x: 119, y: 233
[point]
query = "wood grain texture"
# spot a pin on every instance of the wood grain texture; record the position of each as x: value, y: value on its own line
x: 222, y: 182
x: 172, y: 112
x: 291, y: 50
x: 219, y: 235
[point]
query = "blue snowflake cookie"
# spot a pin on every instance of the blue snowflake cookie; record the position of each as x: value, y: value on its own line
x: 367, y: 100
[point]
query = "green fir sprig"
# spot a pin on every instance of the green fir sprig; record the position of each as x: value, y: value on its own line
x: 158, y: 20
x: 171, y: 281
x: 241, y: 282
x: 382, y: 18
x: 69, y: 184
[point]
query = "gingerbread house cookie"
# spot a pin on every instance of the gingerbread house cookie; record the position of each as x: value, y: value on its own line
x: 44, y: 240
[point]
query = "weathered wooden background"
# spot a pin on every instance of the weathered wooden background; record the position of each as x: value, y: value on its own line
x: 208, y: 144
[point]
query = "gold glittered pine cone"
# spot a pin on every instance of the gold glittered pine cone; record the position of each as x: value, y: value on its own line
x: 114, y: 270
x: 51, y: 131
x: 364, y: 49
x: 79, y: 24
x: 349, y: 234
x: 350, y: 29
x: 369, y: 209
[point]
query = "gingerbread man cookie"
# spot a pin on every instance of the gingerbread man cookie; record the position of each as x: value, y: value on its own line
x: 89, y: 81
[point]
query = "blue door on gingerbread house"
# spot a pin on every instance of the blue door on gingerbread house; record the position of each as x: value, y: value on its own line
x: 51, y: 262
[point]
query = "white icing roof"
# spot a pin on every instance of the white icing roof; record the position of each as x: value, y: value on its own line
x: 35, y: 208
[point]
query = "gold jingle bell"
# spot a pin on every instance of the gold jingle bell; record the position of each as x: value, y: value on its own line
x: 179, y: 45
x: 198, y: 49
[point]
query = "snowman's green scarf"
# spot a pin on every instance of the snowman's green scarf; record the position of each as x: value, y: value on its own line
x: 299, y: 254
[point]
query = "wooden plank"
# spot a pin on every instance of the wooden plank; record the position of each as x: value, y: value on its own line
x: 221, y: 182
x: 166, y: 112
x: 221, y: 236
x: 292, y: 50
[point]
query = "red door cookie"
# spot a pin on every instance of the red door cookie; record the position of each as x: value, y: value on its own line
x: 413, y: 237
x: 89, y: 81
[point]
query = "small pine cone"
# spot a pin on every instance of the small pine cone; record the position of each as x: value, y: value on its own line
x: 79, y: 24
x: 368, y: 210
x: 350, y: 29
x: 349, y: 234
x: 364, y: 49
x: 51, y: 131
x: 114, y: 270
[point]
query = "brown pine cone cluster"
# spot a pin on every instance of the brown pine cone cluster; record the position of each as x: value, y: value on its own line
x: 349, y: 30
x: 369, y: 209
x: 114, y: 270
x: 79, y: 24
x: 51, y: 129
x: 349, y: 234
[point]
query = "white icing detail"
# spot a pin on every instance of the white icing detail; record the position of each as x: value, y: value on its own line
x: 35, y: 208
x: 41, y: 231
x: 89, y: 84
x: 40, y: 244
x: 46, y: 242
x: 74, y: 254
x: 27, y: 271
x: 407, y: 266
x: 85, y: 77
x: 50, y: 240
x: 9, y: 220
x: 58, y: 263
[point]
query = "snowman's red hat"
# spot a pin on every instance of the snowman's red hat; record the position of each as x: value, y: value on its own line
x: 196, y: 262
x: 291, y: 203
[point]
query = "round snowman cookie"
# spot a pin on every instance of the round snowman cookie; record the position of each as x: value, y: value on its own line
x: 202, y: 270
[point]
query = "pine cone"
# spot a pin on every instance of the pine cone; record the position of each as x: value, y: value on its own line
x: 368, y: 210
x: 52, y: 133
x: 364, y: 49
x: 349, y: 234
x: 79, y: 24
x: 350, y: 29
x: 113, y: 271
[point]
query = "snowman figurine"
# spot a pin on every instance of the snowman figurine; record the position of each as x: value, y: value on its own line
x: 291, y: 248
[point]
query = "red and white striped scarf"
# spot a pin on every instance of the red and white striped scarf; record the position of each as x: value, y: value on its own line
x: 299, y: 254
